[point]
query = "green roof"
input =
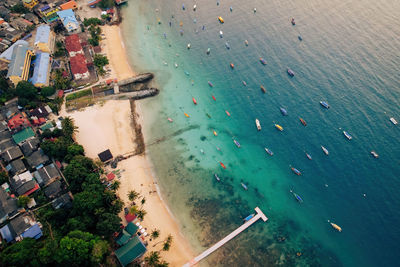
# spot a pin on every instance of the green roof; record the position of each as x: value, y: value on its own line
x: 131, y: 251
x: 131, y: 228
x: 23, y: 135
x: 46, y: 126
x: 124, y: 238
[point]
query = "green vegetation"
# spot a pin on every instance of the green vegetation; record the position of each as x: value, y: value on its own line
x: 23, y: 201
x: 61, y: 82
x: 92, y: 22
x: 167, y: 243
x: 132, y: 195
x: 79, y: 94
x: 27, y: 94
x: 47, y: 91
x: 6, y: 92
x: 155, y: 233
x: 100, y: 61
x: 94, y: 35
x: 104, y: 4
x: 3, y: 177
x: 61, y: 51
x: 19, y: 8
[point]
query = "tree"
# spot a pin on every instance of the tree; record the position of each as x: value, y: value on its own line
x: 3, y: 177
x: 141, y: 213
x: 87, y: 202
x: 99, y: 251
x: 155, y: 233
x: 143, y: 201
x: 115, y: 185
x: 23, y: 253
x: 69, y: 128
x: 132, y: 195
x: 153, y: 259
x: 104, y: 4
x: 92, y: 21
x: 100, y: 61
x: 23, y: 201
x: 167, y: 243
x: 108, y: 224
x: 74, y: 150
x: 19, y: 8
x: 47, y: 91
x: 61, y: 82
x: 26, y: 92
x: 163, y: 264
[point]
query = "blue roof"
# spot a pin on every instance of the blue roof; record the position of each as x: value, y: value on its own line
x: 8, y: 53
x: 33, y: 232
x: 42, y: 34
x: 40, y: 71
x: 67, y: 16
x: 6, y: 233
x: 15, y: 68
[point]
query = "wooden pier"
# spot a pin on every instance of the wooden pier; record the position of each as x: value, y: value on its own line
x: 226, y: 239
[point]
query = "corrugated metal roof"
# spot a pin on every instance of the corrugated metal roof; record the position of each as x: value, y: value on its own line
x: 8, y: 53
x: 130, y: 251
x: 40, y: 71
x: 16, y: 65
x: 42, y: 34
x: 67, y: 16
x: 23, y: 135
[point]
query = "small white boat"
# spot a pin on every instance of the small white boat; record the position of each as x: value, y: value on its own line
x: 393, y: 120
x: 189, y: 45
x: 246, y: 42
x: 194, y: 7
x: 348, y: 136
x: 258, y: 125
x: 176, y: 65
x: 325, y: 150
x: 208, y: 51
x: 269, y: 151
x: 374, y: 154
x: 221, y: 34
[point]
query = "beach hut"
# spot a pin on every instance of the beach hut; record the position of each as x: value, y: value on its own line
x: 130, y: 251
x: 105, y: 156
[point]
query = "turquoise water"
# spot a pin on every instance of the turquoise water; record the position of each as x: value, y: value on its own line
x: 349, y: 57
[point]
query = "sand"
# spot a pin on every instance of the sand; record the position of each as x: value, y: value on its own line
x: 109, y: 126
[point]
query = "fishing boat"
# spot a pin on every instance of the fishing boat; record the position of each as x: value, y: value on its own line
x: 210, y: 84
x: 290, y: 72
x: 263, y: 89
x: 222, y: 165
x: 221, y: 34
x: 227, y: 113
x: 215, y: 133
x: 230, y: 8
x: 188, y: 46
x: 246, y: 42
x: 248, y: 218
x: 335, y: 226
x: 374, y: 154
x: 255, y: 10
x: 280, y: 128
x: 183, y: 7
x: 258, y: 125
x: 325, y: 150
x: 236, y: 143
x: 293, y: 22
x: 297, y: 197
x: 232, y: 65
x: 213, y: 97
x: 283, y: 111
x: 187, y: 115
x: 263, y: 61
x: 300, y: 38
x: 309, y: 156
x: 208, y: 51
x: 221, y: 20
x: 393, y: 120
x: 244, y: 186
x: 244, y: 83
x: 187, y: 73
x: 216, y: 177
x: 194, y: 101
x: 348, y: 136
x: 324, y: 104
x: 176, y: 65
x: 170, y: 120
x: 296, y: 171
x: 269, y: 151
x: 194, y: 7
x: 227, y: 45
x: 303, y: 122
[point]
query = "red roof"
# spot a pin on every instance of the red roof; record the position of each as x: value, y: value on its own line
x: 73, y: 43
x: 32, y: 190
x: 39, y: 121
x: 60, y: 93
x: 69, y: 5
x: 78, y: 64
x: 58, y: 164
x: 130, y: 217
x: 110, y: 176
x: 18, y: 120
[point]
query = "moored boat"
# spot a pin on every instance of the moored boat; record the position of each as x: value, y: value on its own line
x: 194, y: 7
x: 244, y: 83
x: 303, y: 122
x: 300, y: 38
x: 213, y: 97
x: 258, y: 125
x: 296, y: 196
x: 324, y: 104
x: 236, y: 143
x: 208, y: 51
x: 325, y: 150
x: 374, y: 154
x: 222, y: 165
x: 227, y: 45
x: 248, y: 218
x: 263, y: 61
x: 290, y: 72
x: 293, y: 22
x: 269, y: 151
x: 246, y: 42
x: 170, y: 120
x: 283, y: 111
x: 216, y: 177
x: 189, y: 46
x: 296, y: 171
x: 280, y: 128
x: 335, y: 226
x: 194, y: 101
x: 227, y: 113
x: 348, y: 136
x: 221, y: 20
x: 263, y: 89
x: 393, y: 120
x: 244, y: 186
x: 187, y: 115
x: 215, y: 133
x: 232, y: 65
x: 221, y: 34
x: 210, y: 84
x: 183, y: 6
x: 309, y: 156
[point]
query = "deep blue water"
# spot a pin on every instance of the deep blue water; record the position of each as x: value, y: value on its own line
x: 349, y: 57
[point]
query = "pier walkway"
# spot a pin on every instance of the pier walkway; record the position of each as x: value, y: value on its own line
x: 226, y: 239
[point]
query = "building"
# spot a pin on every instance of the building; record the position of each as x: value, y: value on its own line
x: 41, y: 71
x: 53, y: 190
x: 29, y: 146
x: 48, y: 13
x: 69, y: 5
x: 30, y: 3
x: 18, y: 122
x: 7, y: 54
x: 23, y: 135
x: 41, y: 112
x: 21, y: 227
x: 38, y: 159
x: 8, y: 205
x: 63, y: 201
x: 45, y: 39
x: 16, y: 167
x: 68, y: 19
x: 73, y: 45
x: 105, y: 156
x: 18, y: 69
x: 46, y: 175
x: 24, y: 184
x: 132, y: 250
x: 11, y: 154
x: 78, y: 67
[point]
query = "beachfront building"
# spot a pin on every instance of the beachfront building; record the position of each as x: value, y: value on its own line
x: 78, y: 67
x: 41, y: 71
x: 18, y: 69
x: 68, y: 19
x: 130, y: 251
x: 45, y: 39
x: 30, y: 3
x: 69, y: 5
x: 73, y: 45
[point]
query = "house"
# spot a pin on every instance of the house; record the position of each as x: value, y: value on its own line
x: 16, y: 167
x: 18, y: 121
x: 21, y: 24
x: 73, y: 45
x: 37, y: 159
x: 41, y: 112
x: 27, y: 188
x: 69, y: 5
x: 11, y: 154
x: 20, y: 227
x: 63, y: 201
x: 24, y: 184
x: 68, y: 19
x: 32, y: 18
x: 18, y: 69
x: 41, y: 71
x: 5, y: 135
x: 78, y: 67
x: 130, y: 251
x: 30, y: 3
x: 29, y: 146
x: 8, y: 205
x: 53, y: 189
x: 6, y: 144
x: 105, y: 156
x: 45, y: 39
x: 3, y: 127
x: 7, y: 55
x: 46, y: 175
x: 11, y: 34
x: 25, y: 134
x: 49, y: 14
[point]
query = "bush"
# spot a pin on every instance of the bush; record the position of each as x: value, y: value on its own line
x: 92, y: 21
x: 47, y: 91
x: 79, y: 94
x: 19, y: 8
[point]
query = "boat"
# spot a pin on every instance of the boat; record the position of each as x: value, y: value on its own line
x: 187, y: 73
x: 298, y: 198
x: 263, y: 61
x: 221, y: 20
x: 230, y: 8
x: 222, y: 165
x: 236, y: 143
x: 188, y: 46
x: 227, y: 113
x: 210, y: 84
x: 170, y: 120
x: 183, y: 7
x: 201, y: 151
x: 325, y: 150
x: 309, y: 156
x: 373, y: 153
x: 246, y: 42
x: 208, y: 51
x: 348, y: 136
x: 263, y: 89
x: 335, y: 226
x: 232, y: 65
x: 258, y: 125
x: 393, y: 120
x: 221, y: 34
x: 213, y: 97
x: 244, y: 186
x: 187, y: 115
x: 181, y: 31
x: 227, y: 45
x: 293, y: 22
x: 296, y: 171
x: 244, y: 83
x: 216, y: 177
x: 280, y: 128
x: 300, y: 38
x: 208, y: 115
x: 194, y: 7
x: 248, y: 218
x: 181, y: 23
x: 194, y: 101
x: 176, y: 65
x: 303, y: 122
x: 255, y: 10
x: 290, y: 72
x: 269, y: 151
x: 215, y: 133
x: 283, y: 111
x: 324, y: 104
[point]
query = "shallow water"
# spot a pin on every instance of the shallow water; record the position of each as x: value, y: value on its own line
x: 349, y: 57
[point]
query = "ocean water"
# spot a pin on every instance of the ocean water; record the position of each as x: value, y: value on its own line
x: 349, y: 57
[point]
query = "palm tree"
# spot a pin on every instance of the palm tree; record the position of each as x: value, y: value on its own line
x: 133, y: 210
x: 167, y: 243
x: 143, y: 201
x: 163, y: 264
x: 155, y: 233
x: 132, y: 195
x: 141, y: 213
x: 69, y: 128
x: 153, y: 259
x: 115, y: 185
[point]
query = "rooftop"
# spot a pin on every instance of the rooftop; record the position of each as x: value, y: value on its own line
x: 18, y: 59
x: 69, y: 5
x: 29, y: 146
x: 11, y: 154
x: 78, y: 64
x: 16, y: 167
x: 53, y: 189
x: 105, y: 155
x: 23, y: 135
x: 62, y: 201
x: 18, y: 120
x: 46, y: 175
x: 42, y: 34
x: 41, y: 70
x: 8, y: 205
x: 37, y: 159
x: 67, y: 16
x: 130, y: 251
x: 73, y: 43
